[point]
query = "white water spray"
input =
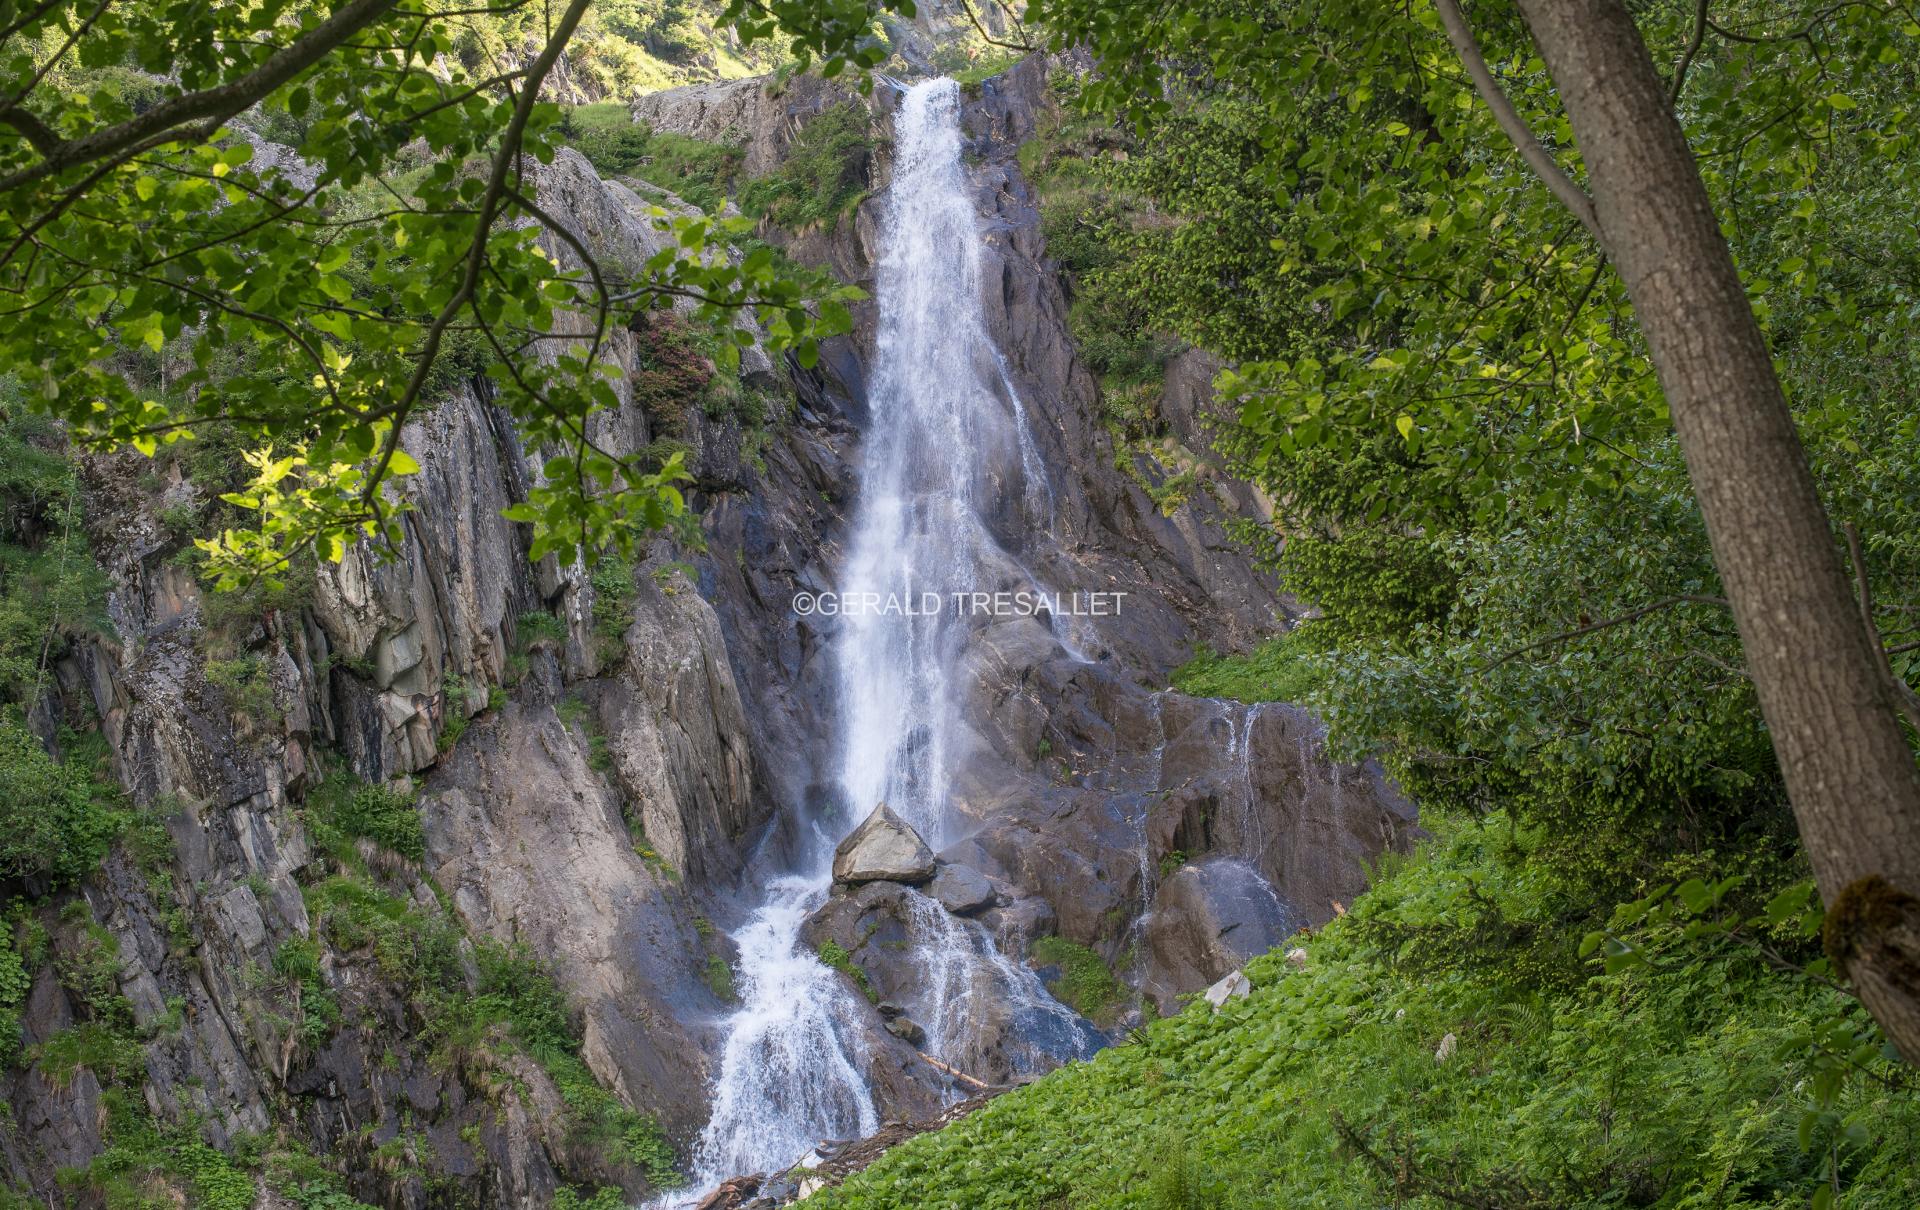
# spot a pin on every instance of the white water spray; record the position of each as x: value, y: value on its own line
x: 945, y: 442
x: 948, y: 442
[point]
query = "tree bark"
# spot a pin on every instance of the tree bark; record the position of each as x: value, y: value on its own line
x: 1830, y: 707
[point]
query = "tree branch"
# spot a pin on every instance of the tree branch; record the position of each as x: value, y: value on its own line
x: 1632, y: 615
x: 503, y: 161
x: 1693, y: 48
x: 210, y: 107
x: 980, y: 27
x: 1908, y: 699
x: 1531, y: 149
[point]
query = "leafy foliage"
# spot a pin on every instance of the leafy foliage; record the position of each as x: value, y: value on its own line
x: 823, y: 177
x: 55, y: 822
x: 305, y: 304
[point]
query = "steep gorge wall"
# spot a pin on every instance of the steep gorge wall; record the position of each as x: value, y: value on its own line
x: 606, y: 809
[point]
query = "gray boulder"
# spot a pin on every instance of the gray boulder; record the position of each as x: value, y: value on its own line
x: 1233, y: 986
x: 883, y: 849
x: 1209, y: 919
x: 961, y: 889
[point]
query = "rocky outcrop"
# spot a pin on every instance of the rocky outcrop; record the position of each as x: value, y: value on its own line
x: 962, y: 890
x: 758, y: 115
x: 1209, y: 919
x: 884, y: 848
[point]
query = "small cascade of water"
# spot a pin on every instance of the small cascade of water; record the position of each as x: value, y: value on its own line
x: 966, y: 982
x: 1252, y: 826
x: 791, y: 1071
x: 1144, y: 845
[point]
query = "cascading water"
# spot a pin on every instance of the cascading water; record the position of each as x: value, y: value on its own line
x: 943, y: 442
x: 948, y: 438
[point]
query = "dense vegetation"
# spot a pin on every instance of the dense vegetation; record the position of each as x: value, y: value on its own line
x: 1442, y: 1046
x: 1514, y: 607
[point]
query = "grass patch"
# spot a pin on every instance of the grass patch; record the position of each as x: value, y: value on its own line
x: 1286, y: 668
x: 699, y: 173
x: 1085, y: 983
x: 835, y: 955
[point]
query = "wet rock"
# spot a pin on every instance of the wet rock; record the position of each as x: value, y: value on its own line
x: 1208, y: 919
x: 735, y: 1194
x: 904, y: 1029
x: 889, y: 1009
x: 884, y: 848
x: 961, y: 889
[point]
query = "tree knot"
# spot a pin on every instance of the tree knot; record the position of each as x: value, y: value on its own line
x: 1872, y: 921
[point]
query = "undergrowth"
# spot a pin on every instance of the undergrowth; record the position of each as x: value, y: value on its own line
x: 1702, y: 1077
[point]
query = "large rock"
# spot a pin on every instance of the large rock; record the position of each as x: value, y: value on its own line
x: 961, y: 889
x: 883, y: 849
x: 1208, y: 920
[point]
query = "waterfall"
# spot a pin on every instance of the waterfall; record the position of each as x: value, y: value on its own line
x: 791, y: 1072
x: 944, y: 441
x: 947, y: 448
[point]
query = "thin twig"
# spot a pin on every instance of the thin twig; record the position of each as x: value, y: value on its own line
x: 1631, y: 615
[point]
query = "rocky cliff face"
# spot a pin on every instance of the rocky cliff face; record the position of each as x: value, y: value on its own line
x: 628, y: 756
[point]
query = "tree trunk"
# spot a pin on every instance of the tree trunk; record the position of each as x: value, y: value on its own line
x: 1829, y: 703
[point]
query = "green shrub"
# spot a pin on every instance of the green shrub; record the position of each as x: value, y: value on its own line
x: 297, y: 962
x: 51, y: 589
x: 1085, y: 983
x: 613, y: 596
x: 54, y: 824
x: 342, y: 809
x: 824, y: 176
x: 15, y: 982
x: 673, y: 371
x: 246, y: 681
x: 720, y: 978
x: 538, y: 627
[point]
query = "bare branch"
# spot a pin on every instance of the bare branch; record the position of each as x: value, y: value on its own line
x: 1531, y: 149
